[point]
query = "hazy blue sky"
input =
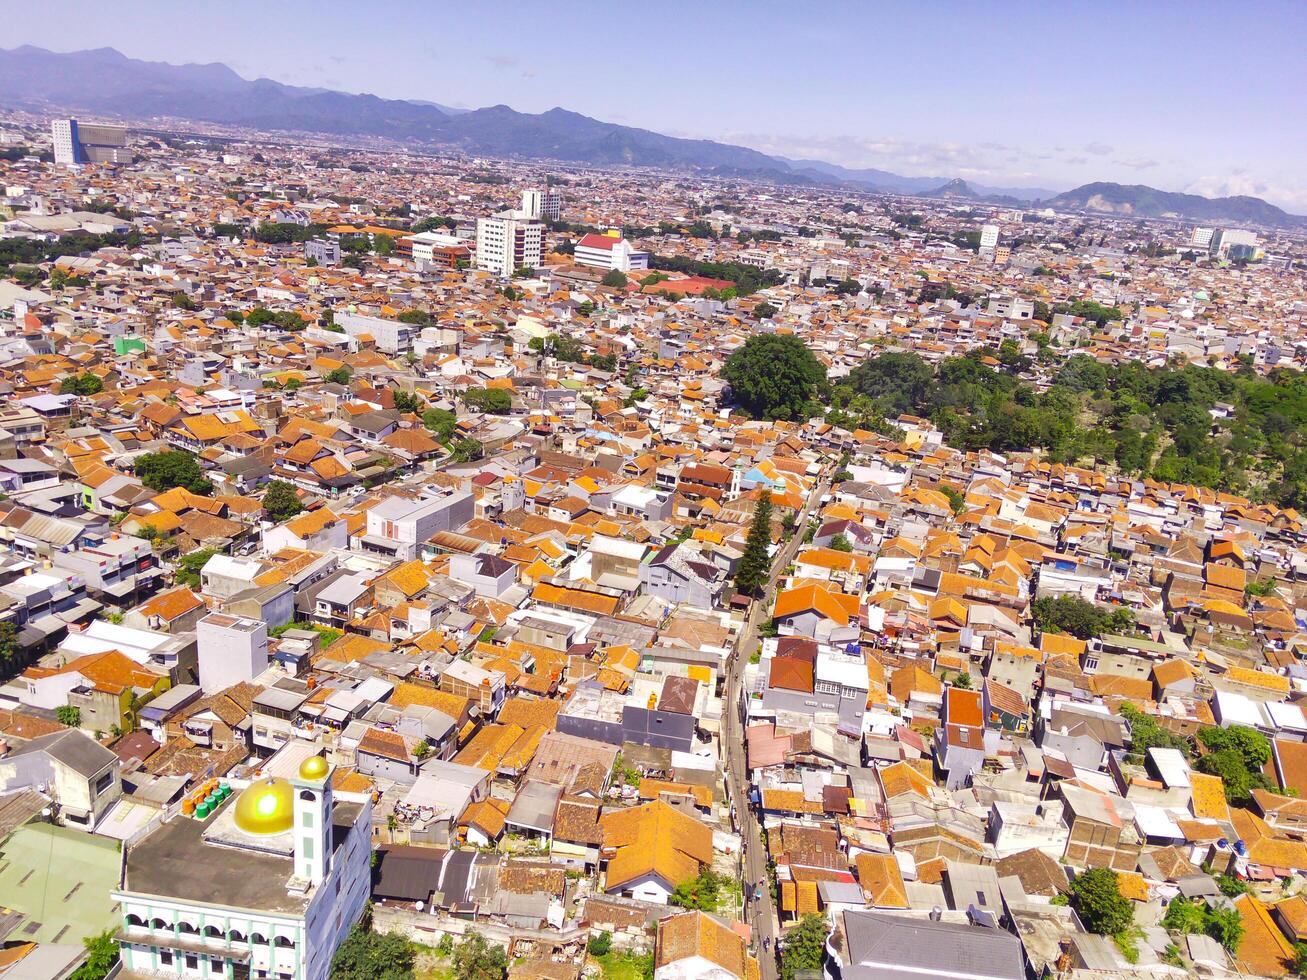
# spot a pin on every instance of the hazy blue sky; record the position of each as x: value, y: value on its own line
x: 1201, y: 96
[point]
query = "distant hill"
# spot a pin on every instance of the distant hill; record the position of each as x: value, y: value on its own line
x: 1138, y: 200
x: 891, y: 183
x: 955, y: 188
x: 106, y: 82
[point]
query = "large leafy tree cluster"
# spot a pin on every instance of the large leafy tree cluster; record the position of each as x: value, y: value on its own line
x: 497, y: 401
x: 1074, y: 615
x: 775, y: 376
x: 1222, y: 922
x: 1147, y: 733
x: 81, y: 384
x: 1096, y: 897
x: 286, y: 319
x: 805, y: 945
x: 1236, y: 754
x: 747, y: 278
x: 368, y: 955
x: 755, y: 564
x: 28, y: 252
x: 476, y: 959
x: 274, y: 233
x: 172, y: 468
x: 1155, y: 422
x: 281, y: 501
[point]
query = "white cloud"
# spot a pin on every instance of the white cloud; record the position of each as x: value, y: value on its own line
x: 1238, y: 182
x: 1099, y: 149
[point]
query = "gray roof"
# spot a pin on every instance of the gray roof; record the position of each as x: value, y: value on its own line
x: 74, y: 749
x: 889, y: 947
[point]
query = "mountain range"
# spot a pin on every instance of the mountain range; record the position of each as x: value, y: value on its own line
x: 106, y: 81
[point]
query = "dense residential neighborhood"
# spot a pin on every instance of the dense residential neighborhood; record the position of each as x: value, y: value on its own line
x: 420, y: 560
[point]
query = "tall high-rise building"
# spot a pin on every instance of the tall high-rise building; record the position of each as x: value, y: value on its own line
x: 988, y: 239
x: 544, y: 205
x: 508, y: 241
x: 1201, y: 238
x: 1227, y: 239
x: 76, y: 143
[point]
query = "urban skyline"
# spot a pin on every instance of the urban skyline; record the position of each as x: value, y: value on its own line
x: 1195, y: 100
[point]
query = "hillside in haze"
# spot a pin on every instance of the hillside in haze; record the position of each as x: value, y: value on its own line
x: 1141, y: 201
x: 106, y: 81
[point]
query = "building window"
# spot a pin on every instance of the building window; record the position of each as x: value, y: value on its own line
x: 215, y: 966
x: 192, y: 961
x: 165, y: 957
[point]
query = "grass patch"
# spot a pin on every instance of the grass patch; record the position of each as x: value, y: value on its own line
x: 625, y: 966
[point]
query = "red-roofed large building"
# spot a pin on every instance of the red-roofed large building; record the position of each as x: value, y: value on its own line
x: 609, y: 252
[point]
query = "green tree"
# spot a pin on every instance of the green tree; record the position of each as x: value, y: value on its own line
x: 420, y: 318
x: 955, y: 500
x: 68, y: 715
x: 440, y: 421
x: 183, y: 302
x: 9, y: 647
x: 765, y: 311
x: 337, y: 376
x: 615, y: 278
x: 188, y: 568
x: 1299, y: 962
x: 1096, y: 897
x: 840, y: 543
x: 101, y: 956
x: 1147, y: 733
x: 407, y: 401
x: 466, y: 450
x: 1236, y: 755
x: 600, y: 945
x: 383, y: 245
x: 476, y: 959
x: 701, y: 892
x: 496, y: 401
x: 755, y: 564
x: 1252, y: 745
x: 281, y: 501
x: 774, y: 376
x: 171, y: 468
x: 1072, y: 614
x: 1225, y: 925
x: 81, y: 384
x: 805, y: 947
x: 368, y: 955
x: 1184, y: 916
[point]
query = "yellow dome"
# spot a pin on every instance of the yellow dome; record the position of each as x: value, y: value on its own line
x: 266, y: 807
x: 314, y: 767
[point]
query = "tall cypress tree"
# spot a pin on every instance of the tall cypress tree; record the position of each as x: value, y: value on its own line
x: 754, y: 566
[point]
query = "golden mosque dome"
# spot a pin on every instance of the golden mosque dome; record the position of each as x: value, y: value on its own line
x: 314, y: 767
x: 266, y: 807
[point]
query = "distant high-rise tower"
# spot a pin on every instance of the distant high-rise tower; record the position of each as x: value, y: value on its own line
x: 988, y: 239
x: 543, y: 205
x: 74, y: 143
x: 509, y: 241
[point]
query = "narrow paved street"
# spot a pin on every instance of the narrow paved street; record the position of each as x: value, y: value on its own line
x: 760, y: 915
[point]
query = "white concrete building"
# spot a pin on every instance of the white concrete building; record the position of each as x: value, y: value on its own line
x: 543, y: 205
x: 231, y: 650
x: 508, y: 241
x: 268, y: 885
x: 607, y: 252
x: 988, y: 239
